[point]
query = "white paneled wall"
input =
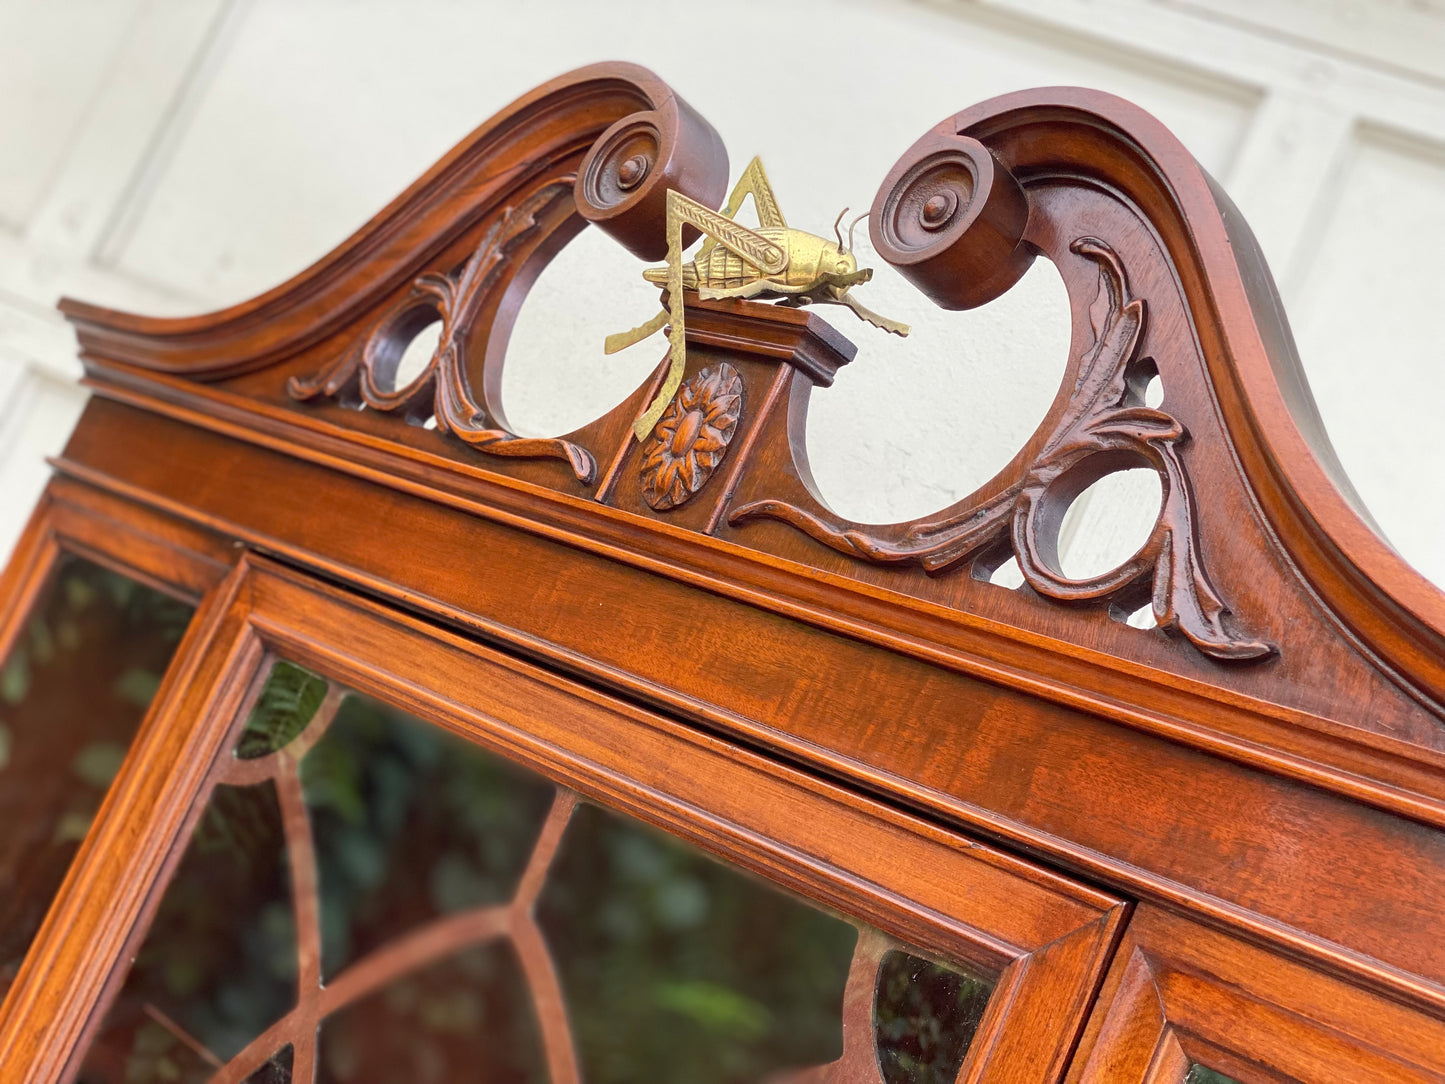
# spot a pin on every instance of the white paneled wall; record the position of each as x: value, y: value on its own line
x: 178, y: 155
x: 1366, y: 292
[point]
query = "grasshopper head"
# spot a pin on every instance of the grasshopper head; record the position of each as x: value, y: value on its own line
x: 841, y: 273
x: 838, y: 271
x: 838, y: 261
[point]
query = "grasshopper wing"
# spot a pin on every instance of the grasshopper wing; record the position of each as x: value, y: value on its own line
x: 756, y: 249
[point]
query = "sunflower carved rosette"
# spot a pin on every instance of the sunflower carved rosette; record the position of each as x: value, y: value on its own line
x: 691, y: 439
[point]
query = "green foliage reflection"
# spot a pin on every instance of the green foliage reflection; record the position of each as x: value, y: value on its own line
x: 677, y: 967
x: 73, y: 690
x: 219, y: 963
x: 469, y: 1017
x: 1201, y: 1074
x: 924, y: 1017
x: 411, y: 823
x: 288, y: 701
x: 277, y: 1069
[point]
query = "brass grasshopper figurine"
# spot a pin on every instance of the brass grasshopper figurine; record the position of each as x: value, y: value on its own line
x: 772, y: 261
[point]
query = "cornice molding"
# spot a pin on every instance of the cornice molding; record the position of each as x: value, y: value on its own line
x: 1267, y: 581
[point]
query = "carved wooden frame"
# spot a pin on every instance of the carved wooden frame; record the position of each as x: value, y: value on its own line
x: 1106, y: 426
x: 366, y: 373
x: 207, y: 364
x: 1047, y: 938
x: 146, y: 546
x: 1275, y: 774
x: 1180, y: 994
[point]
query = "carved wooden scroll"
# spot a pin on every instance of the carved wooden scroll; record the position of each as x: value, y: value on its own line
x: 953, y: 220
x: 1106, y: 427
x: 1260, y: 575
x: 366, y: 374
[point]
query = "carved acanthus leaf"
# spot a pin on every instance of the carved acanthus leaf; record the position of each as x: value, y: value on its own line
x: 363, y: 375
x: 1103, y: 419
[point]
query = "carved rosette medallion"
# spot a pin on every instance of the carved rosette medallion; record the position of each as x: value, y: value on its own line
x: 691, y: 439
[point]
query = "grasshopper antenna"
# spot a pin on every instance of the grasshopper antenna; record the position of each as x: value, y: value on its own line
x: 838, y: 233
x: 855, y: 222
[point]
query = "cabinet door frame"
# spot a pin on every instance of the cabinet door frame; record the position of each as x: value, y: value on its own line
x: 124, y: 536
x: 145, y: 546
x: 72, y: 959
x: 1047, y: 937
x: 1180, y: 993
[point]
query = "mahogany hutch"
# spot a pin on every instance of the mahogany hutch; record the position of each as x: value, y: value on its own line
x: 476, y: 756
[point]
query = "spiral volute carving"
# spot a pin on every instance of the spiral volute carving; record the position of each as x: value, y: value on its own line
x: 951, y: 218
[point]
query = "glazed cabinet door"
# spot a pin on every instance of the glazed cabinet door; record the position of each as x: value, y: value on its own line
x: 1185, y: 1004
x: 94, y: 613
x: 374, y: 850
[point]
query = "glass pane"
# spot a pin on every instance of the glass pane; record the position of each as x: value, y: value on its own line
x: 677, y: 967
x: 924, y: 1016
x: 219, y: 963
x: 454, y: 916
x: 276, y: 1071
x: 73, y: 691
x: 288, y: 701
x: 1200, y: 1074
x: 410, y: 823
x: 468, y: 1017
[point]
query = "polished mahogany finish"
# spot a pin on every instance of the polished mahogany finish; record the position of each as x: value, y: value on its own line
x: 1217, y: 842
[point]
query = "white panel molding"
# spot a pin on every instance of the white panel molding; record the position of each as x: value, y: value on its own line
x: 38, y: 415
x: 143, y: 82
x: 147, y: 83
x: 55, y: 56
x: 193, y: 69
x: 1367, y: 297
x: 1212, y: 47
x: 1402, y: 36
x: 1295, y: 143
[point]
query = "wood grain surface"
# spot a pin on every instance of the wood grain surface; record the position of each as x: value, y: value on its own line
x: 853, y: 710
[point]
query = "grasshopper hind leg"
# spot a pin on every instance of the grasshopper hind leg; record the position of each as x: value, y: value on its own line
x: 658, y: 277
x: 623, y: 339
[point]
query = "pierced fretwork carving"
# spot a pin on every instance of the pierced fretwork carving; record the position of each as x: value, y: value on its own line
x: 1105, y: 428
x: 365, y: 374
